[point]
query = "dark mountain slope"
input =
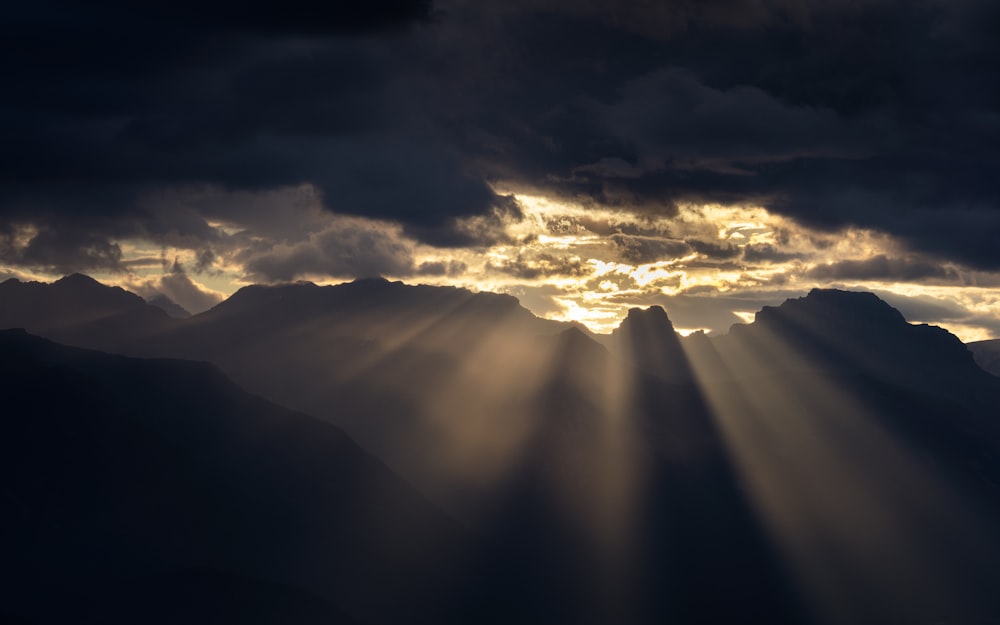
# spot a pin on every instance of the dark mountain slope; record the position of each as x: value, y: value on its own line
x: 120, y: 474
x: 839, y: 332
x: 80, y: 311
x: 829, y: 463
x: 857, y: 331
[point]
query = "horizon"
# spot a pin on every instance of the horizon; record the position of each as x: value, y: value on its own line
x: 711, y: 158
x: 603, y: 329
x: 831, y: 461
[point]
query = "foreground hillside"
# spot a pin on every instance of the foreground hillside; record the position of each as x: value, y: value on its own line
x: 158, y: 491
x: 829, y: 463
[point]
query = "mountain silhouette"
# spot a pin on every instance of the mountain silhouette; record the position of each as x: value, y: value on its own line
x: 169, y: 306
x: 987, y: 355
x: 829, y: 462
x: 851, y: 332
x: 647, y: 339
x: 140, y: 489
x: 80, y: 311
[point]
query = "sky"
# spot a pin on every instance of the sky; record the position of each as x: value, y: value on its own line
x: 586, y: 156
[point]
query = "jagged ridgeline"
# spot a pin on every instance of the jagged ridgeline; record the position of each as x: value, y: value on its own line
x: 828, y: 463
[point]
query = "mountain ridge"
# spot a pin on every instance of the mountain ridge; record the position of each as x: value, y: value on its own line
x: 575, y: 464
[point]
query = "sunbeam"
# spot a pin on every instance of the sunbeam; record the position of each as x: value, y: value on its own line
x: 867, y: 525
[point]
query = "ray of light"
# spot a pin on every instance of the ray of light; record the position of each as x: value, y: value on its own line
x: 864, y: 523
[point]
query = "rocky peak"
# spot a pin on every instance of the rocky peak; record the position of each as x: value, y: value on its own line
x: 647, y: 339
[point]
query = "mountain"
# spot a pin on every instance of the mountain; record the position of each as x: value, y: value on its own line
x: 646, y: 338
x: 138, y: 489
x: 401, y: 368
x: 157, y: 491
x: 828, y: 463
x: 169, y: 306
x: 830, y: 331
x: 987, y: 355
x: 392, y: 364
x: 80, y: 311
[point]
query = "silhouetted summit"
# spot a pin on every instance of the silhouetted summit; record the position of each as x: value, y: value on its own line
x: 287, y: 303
x: 574, y: 357
x: 169, y: 306
x: 835, y: 306
x: 87, y: 298
x: 853, y: 331
x: 646, y: 338
x: 578, y: 343
x: 80, y: 311
x: 78, y: 281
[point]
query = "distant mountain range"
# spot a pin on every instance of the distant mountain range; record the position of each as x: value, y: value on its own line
x: 829, y: 462
x: 169, y: 306
x: 987, y: 355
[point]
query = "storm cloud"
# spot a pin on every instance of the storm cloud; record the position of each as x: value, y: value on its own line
x: 881, y: 267
x: 882, y: 115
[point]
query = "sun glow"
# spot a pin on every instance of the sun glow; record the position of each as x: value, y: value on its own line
x: 596, y: 319
x: 590, y: 264
x: 587, y: 263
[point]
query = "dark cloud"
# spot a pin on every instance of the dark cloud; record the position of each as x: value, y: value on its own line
x: 347, y: 249
x: 295, y: 16
x: 204, y: 260
x: 639, y: 250
x: 58, y: 250
x: 767, y: 254
x: 715, y: 251
x: 481, y: 230
x: 878, y: 114
x: 110, y: 103
x: 882, y: 267
x: 534, y: 266
x: 441, y: 268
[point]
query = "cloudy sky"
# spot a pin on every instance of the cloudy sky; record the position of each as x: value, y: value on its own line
x: 586, y: 156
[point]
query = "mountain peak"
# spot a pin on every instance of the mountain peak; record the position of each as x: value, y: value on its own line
x: 373, y: 280
x: 576, y: 336
x: 857, y: 331
x: 653, y: 315
x: 649, y: 322
x: 77, y: 279
x: 852, y: 306
x: 646, y: 337
x: 81, y: 311
x: 169, y: 306
x: 79, y: 282
x: 575, y: 343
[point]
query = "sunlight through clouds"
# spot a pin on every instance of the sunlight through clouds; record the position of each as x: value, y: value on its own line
x: 565, y: 260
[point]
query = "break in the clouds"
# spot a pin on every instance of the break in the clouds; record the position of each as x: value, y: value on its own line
x: 277, y: 141
x: 177, y: 287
